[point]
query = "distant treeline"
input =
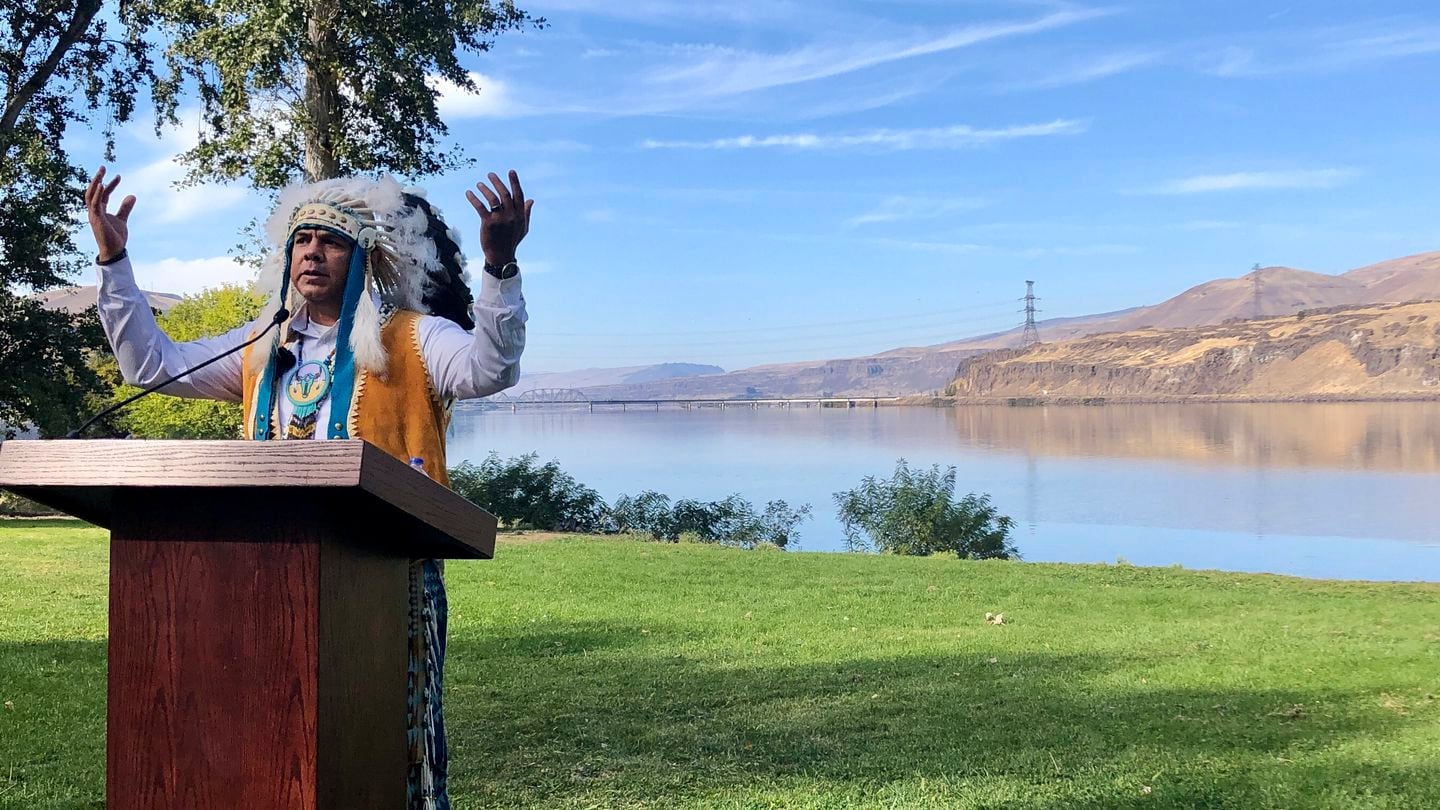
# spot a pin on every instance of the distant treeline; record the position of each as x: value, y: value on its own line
x: 912, y: 512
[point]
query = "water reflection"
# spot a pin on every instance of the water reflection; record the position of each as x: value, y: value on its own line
x: 1335, y: 490
x: 1351, y: 435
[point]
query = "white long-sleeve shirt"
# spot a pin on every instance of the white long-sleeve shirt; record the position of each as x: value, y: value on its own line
x: 461, y: 365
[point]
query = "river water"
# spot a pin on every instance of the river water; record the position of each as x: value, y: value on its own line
x: 1346, y: 490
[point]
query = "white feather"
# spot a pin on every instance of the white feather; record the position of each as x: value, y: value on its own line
x: 365, y: 341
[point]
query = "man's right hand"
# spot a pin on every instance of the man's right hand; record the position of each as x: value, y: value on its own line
x: 112, y: 231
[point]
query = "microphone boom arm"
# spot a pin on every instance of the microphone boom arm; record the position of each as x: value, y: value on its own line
x: 274, y: 322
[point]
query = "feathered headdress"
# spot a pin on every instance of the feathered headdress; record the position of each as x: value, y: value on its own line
x: 402, y: 257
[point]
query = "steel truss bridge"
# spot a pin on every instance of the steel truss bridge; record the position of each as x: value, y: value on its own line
x: 574, y: 397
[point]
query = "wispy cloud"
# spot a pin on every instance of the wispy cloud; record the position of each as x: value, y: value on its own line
x: 664, y: 77
x: 1322, y: 50
x: 494, y: 99
x: 900, y: 208
x: 1093, y: 69
x: 1256, y: 181
x: 719, y: 71
x: 952, y: 137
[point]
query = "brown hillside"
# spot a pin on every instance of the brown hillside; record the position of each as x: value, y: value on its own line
x: 1284, y: 291
x: 1411, y: 278
x: 891, y: 375
x: 1372, y: 351
x: 79, y: 298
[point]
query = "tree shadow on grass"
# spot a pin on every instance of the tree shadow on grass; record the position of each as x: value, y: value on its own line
x: 581, y: 713
x: 587, y: 714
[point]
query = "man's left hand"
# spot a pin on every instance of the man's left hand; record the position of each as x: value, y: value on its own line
x: 504, y: 217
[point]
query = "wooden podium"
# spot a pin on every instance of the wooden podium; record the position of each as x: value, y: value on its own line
x: 258, y: 612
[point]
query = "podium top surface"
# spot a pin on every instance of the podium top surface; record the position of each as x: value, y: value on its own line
x: 83, y: 478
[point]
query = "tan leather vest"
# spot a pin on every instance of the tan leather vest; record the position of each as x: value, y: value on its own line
x: 401, y: 414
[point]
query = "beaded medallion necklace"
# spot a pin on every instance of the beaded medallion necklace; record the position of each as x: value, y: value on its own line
x: 306, y: 388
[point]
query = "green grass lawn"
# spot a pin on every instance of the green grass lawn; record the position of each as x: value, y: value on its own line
x: 609, y: 673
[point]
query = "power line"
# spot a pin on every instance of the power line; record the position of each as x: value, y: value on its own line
x: 784, y: 327
x: 947, y: 328
x: 830, y: 349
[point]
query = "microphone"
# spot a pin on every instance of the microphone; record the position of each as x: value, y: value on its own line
x: 274, y: 322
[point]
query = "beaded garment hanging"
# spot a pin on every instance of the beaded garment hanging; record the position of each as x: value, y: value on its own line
x: 306, y: 389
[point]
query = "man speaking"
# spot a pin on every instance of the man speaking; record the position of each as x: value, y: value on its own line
x: 380, y: 335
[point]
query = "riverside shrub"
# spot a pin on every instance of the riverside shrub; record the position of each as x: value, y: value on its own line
x: 525, y: 495
x: 914, y: 512
x: 732, y: 521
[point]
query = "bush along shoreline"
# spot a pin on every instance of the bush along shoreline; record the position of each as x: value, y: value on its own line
x: 911, y: 513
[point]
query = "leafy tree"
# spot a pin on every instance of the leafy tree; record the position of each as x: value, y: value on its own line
x: 157, y: 416
x: 45, y: 378
x: 62, y: 62
x: 647, y: 513
x: 318, y: 88
x: 731, y: 521
x: 914, y: 512
x: 523, y: 494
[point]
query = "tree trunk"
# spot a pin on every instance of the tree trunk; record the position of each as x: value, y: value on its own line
x: 322, y: 95
x: 85, y: 11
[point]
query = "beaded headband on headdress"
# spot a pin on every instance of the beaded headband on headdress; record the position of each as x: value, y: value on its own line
x: 349, y: 218
x: 325, y: 215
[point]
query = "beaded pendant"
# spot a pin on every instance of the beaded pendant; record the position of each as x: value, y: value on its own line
x: 308, y: 387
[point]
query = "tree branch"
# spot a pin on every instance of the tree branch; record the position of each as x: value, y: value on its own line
x: 85, y: 11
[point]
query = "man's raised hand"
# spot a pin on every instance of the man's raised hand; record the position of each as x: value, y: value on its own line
x: 111, y: 231
x: 504, y: 217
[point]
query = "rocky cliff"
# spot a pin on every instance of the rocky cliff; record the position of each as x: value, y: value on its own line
x: 1364, y: 352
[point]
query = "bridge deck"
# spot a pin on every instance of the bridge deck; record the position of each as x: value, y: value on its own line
x: 693, y: 403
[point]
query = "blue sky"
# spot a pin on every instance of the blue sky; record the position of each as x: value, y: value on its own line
x: 749, y: 182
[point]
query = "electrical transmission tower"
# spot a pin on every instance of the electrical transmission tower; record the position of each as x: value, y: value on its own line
x: 1031, y: 335
x: 1258, y: 287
